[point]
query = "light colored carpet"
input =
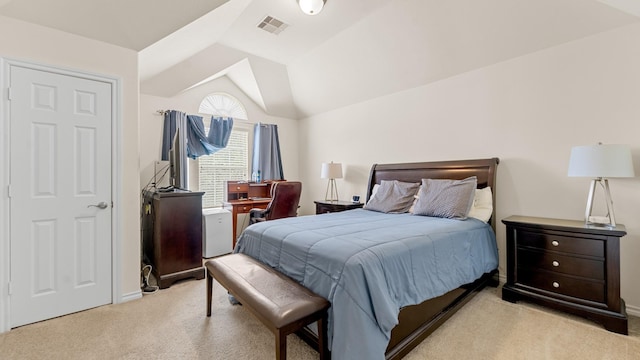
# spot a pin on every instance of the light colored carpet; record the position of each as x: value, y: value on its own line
x: 172, y: 324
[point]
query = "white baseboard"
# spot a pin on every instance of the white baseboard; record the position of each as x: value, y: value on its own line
x: 502, y: 278
x: 633, y: 310
x: 131, y: 296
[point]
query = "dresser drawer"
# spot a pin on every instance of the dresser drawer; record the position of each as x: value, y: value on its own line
x: 243, y: 209
x: 237, y: 187
x: 560, y: 284
x: 567, y: 244
x: 560, y: 263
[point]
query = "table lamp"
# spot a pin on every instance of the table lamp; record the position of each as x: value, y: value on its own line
x: 601, y: 162
x: 331, y: 171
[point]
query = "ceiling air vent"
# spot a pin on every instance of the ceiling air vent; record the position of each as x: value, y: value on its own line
x: 272, y: 25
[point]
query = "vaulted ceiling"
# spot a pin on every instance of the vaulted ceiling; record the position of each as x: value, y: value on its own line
x: 352, y: 51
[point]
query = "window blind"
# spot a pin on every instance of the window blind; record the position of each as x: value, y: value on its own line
x: 230, y: 163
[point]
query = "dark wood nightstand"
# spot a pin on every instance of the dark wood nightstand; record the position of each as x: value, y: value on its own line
x: 323, y: 207
x: 568, y: 266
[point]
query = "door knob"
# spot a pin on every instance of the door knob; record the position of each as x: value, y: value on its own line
x: 100, y: 205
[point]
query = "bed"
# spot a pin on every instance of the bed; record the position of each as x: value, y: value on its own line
x: 377, y: 269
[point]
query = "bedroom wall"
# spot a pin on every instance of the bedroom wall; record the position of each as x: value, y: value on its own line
x: 528, y: 111
x: 189, y: 101
x: 27, y: 42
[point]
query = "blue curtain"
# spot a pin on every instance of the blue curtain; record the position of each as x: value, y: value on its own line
x: 193, y: 135
x: 172, y: 120
x: 199, y: 143
x: 266, y: 152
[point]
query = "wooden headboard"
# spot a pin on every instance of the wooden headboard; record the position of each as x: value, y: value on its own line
x: 483, y: 169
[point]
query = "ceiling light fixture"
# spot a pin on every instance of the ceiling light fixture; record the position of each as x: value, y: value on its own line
x: 311, y: 7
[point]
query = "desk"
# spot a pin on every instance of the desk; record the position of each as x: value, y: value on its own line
x: 243, y: 190
x: 242, y: 207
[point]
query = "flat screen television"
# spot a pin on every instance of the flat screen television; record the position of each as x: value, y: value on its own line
x: 176, y: 159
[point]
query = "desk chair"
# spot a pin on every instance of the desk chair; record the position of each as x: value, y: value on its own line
x: 285, y: 196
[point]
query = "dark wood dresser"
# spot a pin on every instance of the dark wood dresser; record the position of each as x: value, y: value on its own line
x: 568, y: 266
x: 323, y: 207
x: 172, y: 235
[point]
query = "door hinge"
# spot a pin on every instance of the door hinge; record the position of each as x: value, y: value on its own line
x: 9, y: 94
x: 9, y: 194
x: 9, y: 288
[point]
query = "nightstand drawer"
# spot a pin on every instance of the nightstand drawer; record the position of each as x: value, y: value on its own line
x: 567, y: 244
x: 559, y: 263
x: 560, y: 284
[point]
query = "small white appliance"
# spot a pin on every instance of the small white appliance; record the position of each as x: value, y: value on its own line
x: 216, y: 232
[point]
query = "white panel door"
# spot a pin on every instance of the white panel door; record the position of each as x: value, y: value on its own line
x: 60, y: 194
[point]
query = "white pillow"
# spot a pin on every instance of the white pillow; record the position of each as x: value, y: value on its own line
x: 374, y: 191
x: 482, y: 207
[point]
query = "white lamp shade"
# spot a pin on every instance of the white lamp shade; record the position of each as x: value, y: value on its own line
x: 601, y: 161
x: 311, y: 7
x: 331, y: 171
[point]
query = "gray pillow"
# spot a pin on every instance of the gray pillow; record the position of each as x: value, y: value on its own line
x: 446, y: 198
x: 393, y: 196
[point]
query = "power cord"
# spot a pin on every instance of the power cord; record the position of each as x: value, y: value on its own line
x: 146, y: 287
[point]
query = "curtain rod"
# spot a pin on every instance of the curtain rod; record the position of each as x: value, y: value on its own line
x: 162, y: 112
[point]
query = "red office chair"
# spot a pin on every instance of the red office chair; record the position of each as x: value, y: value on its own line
x: 285, y: 196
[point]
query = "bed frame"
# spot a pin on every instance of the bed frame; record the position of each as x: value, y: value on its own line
x: 416, y: 322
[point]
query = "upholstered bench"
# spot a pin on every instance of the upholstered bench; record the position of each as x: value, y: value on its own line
x: 279, y: 302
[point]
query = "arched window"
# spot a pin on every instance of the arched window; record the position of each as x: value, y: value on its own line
x: 221, y: 104
x: 230, y: 163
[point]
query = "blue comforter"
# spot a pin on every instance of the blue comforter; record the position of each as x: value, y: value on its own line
x: 370, y: 264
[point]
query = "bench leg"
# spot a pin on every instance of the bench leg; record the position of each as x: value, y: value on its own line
x: 281, y: 345
x: 209, y: 292
x: 323, y: 349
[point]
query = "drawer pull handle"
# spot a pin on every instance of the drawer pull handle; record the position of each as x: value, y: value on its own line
x: 238, y: 188
x: 555, y: 263
x: 556, y: 284
x: 555, y: 243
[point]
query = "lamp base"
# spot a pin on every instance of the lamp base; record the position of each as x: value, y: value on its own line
x: 332, y: 191
x: 599, y: 221
x: 605, y: 221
